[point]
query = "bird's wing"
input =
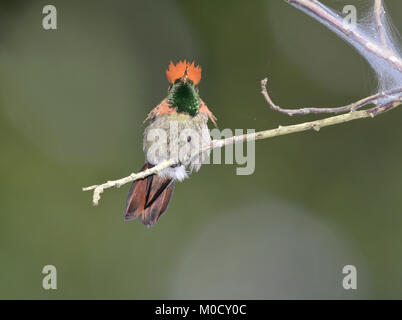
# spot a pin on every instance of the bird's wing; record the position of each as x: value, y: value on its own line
x: 161, y: 108
x: 204, y: 109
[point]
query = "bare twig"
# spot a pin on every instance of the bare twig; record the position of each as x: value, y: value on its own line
x: 350, y: 107
x: 98, y: 189
x: 378, y: 12
x: 281, y: 130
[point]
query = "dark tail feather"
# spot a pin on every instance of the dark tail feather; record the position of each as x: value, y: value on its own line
x: 148, y: 198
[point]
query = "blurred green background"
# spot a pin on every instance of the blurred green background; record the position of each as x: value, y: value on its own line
x: 72, y: 102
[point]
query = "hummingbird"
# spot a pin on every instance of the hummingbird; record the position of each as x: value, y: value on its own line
x: 180, y: 122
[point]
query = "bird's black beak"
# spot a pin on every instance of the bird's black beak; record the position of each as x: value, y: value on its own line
x: 185, y: 77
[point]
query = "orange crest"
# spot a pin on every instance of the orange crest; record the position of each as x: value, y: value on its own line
x: 178, y: 71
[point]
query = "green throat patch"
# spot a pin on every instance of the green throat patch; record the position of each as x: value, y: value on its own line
x: 184, y: 97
